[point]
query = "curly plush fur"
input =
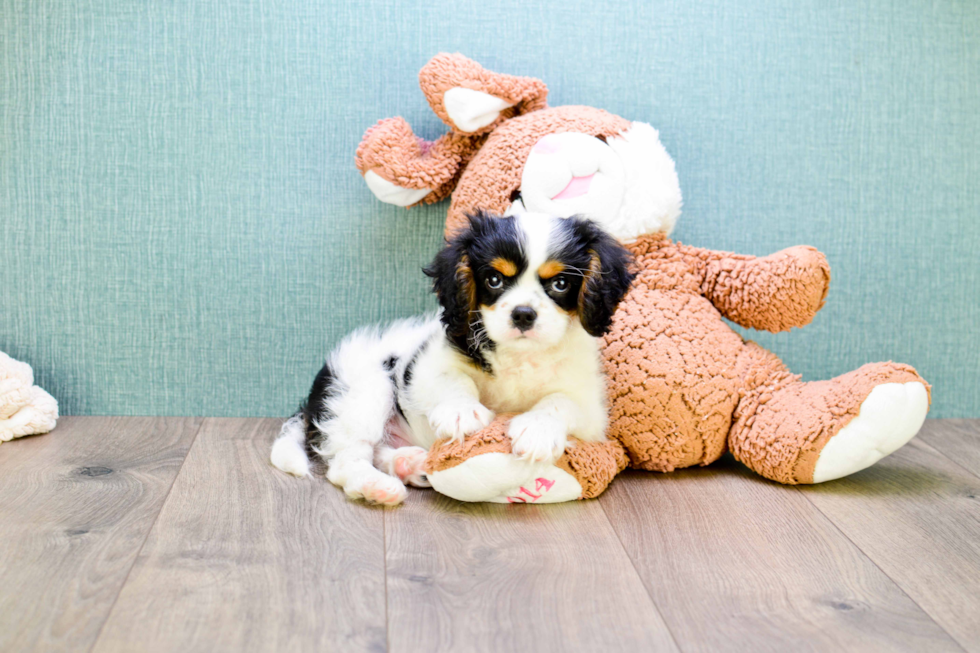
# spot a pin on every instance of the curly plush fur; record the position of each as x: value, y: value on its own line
x: 25, y: 409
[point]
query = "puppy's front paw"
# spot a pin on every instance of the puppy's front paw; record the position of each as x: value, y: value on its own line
x: 538, y: 437
x: 457, y: 420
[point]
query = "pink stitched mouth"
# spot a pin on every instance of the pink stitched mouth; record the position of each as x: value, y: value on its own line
x: 577, y: 187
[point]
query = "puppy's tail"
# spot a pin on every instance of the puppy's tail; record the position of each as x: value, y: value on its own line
x: 289, y: 449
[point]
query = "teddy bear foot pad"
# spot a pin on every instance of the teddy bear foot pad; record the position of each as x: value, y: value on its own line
x: 502, y: 478
x: 890, y: 416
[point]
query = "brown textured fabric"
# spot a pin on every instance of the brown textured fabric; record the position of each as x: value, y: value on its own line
x: 394, y: 152
x: 593, y: 464
x: 782, y: 424
x: 683, y: 385
x: 670, y: 362
x: 445, y: 454
x: 446, y: 71
x: 774, y: 293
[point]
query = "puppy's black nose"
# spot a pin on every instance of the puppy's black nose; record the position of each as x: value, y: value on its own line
x: 523, y: 317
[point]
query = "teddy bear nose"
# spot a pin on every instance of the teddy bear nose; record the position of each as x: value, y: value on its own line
x: 523, y: 317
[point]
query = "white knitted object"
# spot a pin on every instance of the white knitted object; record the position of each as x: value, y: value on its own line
x: 25, y: 409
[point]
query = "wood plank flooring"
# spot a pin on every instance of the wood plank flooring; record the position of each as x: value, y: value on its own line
x: 175, y: 534
x: 75, y: 507
x: 246, y: 559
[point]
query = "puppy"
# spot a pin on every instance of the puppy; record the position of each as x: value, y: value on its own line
x: 523, y: 299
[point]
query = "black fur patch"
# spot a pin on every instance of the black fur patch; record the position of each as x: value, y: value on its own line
x: 314, y: 408
x: 394, y: 385
x: 463, y: 279
x: 598, y: 273
x: 410, y: 367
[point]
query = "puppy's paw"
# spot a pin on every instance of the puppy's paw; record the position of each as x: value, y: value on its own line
x: 377, y: 488
x: 537, y: 436
x: 407, y: 463
x: 457, y: 420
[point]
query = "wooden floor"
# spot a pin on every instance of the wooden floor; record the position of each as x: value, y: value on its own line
x: 172, y: 534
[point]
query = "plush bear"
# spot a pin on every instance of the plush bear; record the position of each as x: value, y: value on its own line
x: 25, y: 409
x: 684, y: 388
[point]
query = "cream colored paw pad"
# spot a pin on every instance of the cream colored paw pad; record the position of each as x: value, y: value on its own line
x: 390, y: 193
x: 502, y: 478
x: 890, y: 416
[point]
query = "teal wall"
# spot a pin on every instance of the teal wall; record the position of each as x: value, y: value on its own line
x: 183, y: 230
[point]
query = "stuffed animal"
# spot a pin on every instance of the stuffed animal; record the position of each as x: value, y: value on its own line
x: 25, y: 409
x: 683, y: 387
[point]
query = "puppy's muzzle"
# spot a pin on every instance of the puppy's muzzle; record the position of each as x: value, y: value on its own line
x: 523, y: 318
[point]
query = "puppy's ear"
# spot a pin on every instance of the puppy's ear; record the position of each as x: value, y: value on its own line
x: 607, y: 279
x: 453, y: 283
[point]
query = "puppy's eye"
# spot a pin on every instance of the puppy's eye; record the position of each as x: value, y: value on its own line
x: 559, y: 284
x: 495, y: 281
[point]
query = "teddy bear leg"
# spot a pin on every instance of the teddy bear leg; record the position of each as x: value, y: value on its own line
x: 799, y: 433
x: 889, y: 416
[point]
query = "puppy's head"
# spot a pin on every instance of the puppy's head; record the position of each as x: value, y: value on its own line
x: 521, y: 281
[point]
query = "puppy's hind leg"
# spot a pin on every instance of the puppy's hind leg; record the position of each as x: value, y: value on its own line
x: 352, y: 470
x: 352, y: 424
x: 289, y: 449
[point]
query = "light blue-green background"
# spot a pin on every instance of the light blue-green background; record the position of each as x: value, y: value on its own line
x: 183, y: 230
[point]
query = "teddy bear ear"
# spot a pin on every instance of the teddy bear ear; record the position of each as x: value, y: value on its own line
x: 473, y: 100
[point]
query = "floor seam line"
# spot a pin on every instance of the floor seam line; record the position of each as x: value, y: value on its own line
x: 122, y: 586
x: 636, y: 571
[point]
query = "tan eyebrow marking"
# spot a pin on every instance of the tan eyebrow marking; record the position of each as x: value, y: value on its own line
x: 503, y: 266
x: 549, y: 269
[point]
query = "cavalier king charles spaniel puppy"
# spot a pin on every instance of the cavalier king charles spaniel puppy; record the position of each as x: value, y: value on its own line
x: 523, y: 300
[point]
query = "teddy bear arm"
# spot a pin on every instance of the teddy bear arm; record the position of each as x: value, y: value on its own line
x: 771, y: 293
x: 403, y: 169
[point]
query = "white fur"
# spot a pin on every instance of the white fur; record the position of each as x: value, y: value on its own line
x: 363, y: 407
x: 407, y: 463
x: 890, y: 416
x: 551, y: 374
x: 634, y: 188
x: 288, y: 451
